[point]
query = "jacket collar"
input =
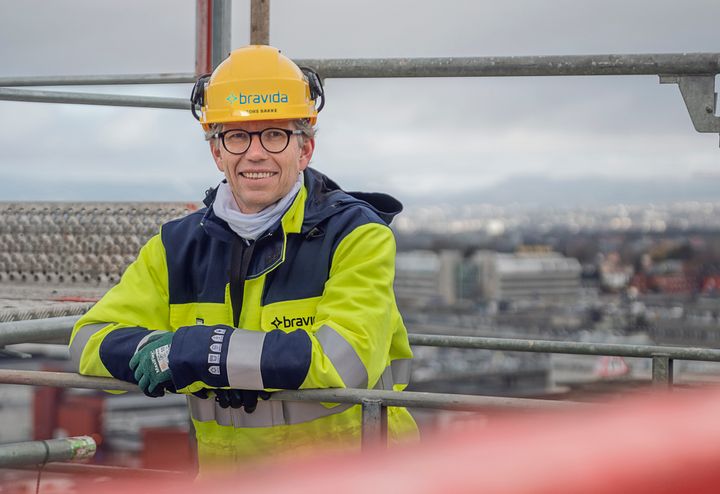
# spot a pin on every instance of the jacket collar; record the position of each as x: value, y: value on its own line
x: 320, y: 198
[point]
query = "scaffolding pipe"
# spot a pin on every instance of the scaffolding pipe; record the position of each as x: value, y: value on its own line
x: 374, y: 424
x: 221, y: 30
x: 566, y: 65
x: 63, y: 380
x: 203, y: 37
x: 569, y: 347
x: 37, y: 330
x: 260, y: 22
x: 59, y: 329
x: 9, y: 94
x: 441, y: 401
x: 343, y: 68
x: 98, y: 80
x: 41, y: 452
x: 109, y: 471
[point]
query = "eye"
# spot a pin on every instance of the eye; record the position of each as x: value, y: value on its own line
x: 237, y: 137
x: 274, y: 134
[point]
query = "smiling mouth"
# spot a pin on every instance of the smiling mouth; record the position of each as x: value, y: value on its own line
x: 257, y: 175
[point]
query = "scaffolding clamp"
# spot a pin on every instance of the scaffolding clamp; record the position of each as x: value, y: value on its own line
x: 698, y: 92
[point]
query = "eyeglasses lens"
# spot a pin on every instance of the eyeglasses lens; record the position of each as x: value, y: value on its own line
x: 273, y: 140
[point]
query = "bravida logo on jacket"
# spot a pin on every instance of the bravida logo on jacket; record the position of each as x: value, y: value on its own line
x: 292, y: 322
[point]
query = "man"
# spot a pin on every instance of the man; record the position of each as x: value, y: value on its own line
x: 283, y: 281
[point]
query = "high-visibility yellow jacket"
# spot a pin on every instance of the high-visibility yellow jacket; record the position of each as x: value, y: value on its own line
x: 308, y: 305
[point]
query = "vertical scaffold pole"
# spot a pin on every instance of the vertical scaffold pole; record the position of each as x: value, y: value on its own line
x: 260, y: 22
x: 212, y: 34
x: 374, y: 424
x: 662, y: 371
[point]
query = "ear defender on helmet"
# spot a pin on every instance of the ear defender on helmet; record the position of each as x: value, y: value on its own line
x: 197, y: 97
x: 316, y: 87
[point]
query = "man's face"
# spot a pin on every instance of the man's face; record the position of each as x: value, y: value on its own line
x: 257, y: 177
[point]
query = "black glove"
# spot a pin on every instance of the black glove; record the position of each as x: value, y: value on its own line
x: 239, y: 398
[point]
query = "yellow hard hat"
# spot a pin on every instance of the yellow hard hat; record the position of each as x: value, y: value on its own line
x: 257, y: 82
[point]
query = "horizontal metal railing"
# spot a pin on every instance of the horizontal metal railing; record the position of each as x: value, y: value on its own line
x: 567, y: 347
x: 663, y: 64
x: 98, y: 80
x: 374, y: 402
x: 9, y: 94
x: 455, y: 402
x: 53, y: 329
x: 40, y: 452
x: 58, y: 330
x: 511, y: 66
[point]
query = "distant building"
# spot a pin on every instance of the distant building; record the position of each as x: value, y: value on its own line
x: 427, y: 278
x: 669, y: 277
x: 529, y: 276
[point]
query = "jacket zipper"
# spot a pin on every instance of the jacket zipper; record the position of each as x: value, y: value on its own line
x: 239, y: 264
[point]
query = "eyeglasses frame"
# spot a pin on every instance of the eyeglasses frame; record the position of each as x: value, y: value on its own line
x: 288, y: 132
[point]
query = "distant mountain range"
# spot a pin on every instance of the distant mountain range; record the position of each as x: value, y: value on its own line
x: 527, y: 191
x: 586, y: 191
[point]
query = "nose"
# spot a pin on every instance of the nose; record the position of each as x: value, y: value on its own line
x: 255, y: 152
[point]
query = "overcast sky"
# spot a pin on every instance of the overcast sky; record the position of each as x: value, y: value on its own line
x: 411, y: 137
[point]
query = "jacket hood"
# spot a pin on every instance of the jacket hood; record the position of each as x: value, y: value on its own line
x: 326, y: 198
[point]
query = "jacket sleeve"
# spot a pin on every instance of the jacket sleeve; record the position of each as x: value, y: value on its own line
x: 347, y: 346
x: 354, y: 322
x: 105, y: 338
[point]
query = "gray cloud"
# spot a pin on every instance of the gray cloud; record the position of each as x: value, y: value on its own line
x: 407, y: 136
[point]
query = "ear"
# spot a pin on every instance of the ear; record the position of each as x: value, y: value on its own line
x: 217, y: 155
x: 306, y: 152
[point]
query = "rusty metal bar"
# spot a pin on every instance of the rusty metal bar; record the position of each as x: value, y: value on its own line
x: 260, y: 22
x: 203, y: 37
x: 212, y: 34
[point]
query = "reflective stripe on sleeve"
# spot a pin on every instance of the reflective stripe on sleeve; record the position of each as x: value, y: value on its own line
x: 271, y: 413
x: 304, y: 411
x: 243, y: 359
x: 386, y: 380
x: 267, y: 413
x: 398, y: 372
x: 401, y: 370
x: 343, y: 357
x: 80, y: 341
x: 147, y: 337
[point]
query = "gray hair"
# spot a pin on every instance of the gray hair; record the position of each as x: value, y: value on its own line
x: 303, y: 124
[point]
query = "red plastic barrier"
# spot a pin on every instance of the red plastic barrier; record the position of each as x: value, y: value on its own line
x: 659, y: 444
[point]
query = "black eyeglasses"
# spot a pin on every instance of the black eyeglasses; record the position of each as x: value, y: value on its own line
x: 237, y: 141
